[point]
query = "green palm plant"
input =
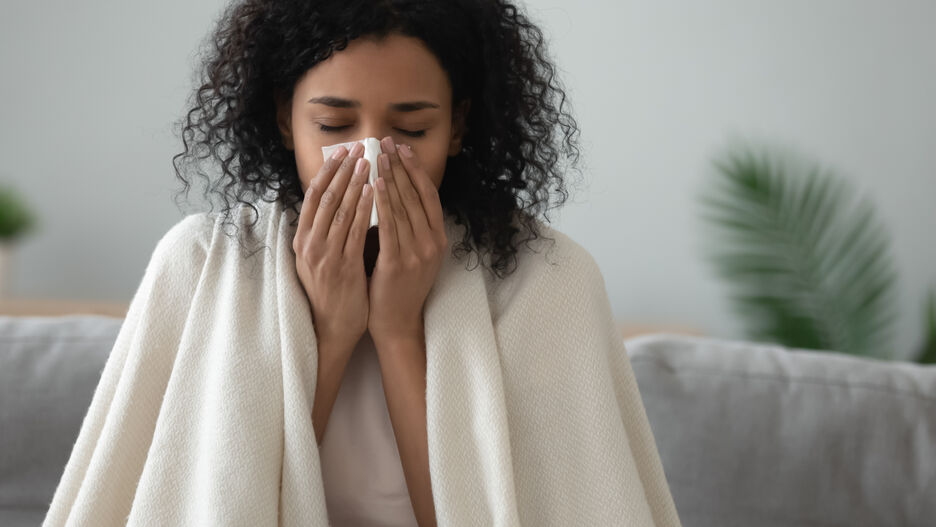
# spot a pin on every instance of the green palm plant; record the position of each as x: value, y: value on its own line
x: 810, y: 268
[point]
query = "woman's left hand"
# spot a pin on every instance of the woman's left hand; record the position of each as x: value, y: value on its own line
x: 412, y: 244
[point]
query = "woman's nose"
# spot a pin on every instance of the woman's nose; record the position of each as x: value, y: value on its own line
x: 379, y: 134
x: 375, y: 129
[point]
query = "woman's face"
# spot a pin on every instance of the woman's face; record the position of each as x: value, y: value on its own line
x: 359, y: 89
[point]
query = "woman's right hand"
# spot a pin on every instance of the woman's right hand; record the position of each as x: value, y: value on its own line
x: 329, y: 247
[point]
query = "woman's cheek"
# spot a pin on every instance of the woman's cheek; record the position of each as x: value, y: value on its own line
x: 436, y: 171
x: 307, y: 163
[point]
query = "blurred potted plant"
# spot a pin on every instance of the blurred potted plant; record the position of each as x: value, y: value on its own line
x: 16, y: 219
x: 810, y: 267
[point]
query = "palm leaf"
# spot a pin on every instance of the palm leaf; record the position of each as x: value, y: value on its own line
x: 809, y: 266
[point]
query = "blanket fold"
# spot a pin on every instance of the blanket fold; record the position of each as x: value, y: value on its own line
x: 202, y: 415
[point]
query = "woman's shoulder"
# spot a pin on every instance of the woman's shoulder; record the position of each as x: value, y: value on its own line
x: 540, y: 248
x: 230, y: 231
x: 191, y: 233
x: 194, y: 227
x: 554, y: 254
x: 551, y: 267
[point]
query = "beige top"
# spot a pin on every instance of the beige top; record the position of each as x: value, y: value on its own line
x: 361, y: 468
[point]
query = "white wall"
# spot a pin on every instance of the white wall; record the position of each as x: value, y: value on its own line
x: 89, y: 93
x: 661, y: 86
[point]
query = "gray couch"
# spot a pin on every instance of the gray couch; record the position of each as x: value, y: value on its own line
x: 749, y: 434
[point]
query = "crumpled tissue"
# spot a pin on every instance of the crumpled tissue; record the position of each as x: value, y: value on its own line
x: 371, y: 151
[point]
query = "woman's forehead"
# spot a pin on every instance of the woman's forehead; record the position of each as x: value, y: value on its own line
x: 395, y: 67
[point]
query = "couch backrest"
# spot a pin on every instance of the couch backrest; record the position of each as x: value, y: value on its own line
x: 757, y: 434
x: 749, y: 434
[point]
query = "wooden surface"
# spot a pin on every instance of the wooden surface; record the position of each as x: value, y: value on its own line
x: 633, y: 330
x: 53, y: 307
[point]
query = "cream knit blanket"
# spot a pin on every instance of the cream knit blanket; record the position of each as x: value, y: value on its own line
x: 202, y: 415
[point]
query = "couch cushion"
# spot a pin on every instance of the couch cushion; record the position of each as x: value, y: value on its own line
x: 49, y: 368
x: 757, y: 434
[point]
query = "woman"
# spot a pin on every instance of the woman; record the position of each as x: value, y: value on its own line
x: 463, y: 97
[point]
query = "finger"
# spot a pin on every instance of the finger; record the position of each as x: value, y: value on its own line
x: 428, y: 193
x: 386, y: 227
x: 354, y: 246
x: 384, y: 172
x: 331, y: 196
x: 405, y: 232
x: 314, y: 192
x: 413, y: 177
x: 388, y: 148
x: 344, y: 216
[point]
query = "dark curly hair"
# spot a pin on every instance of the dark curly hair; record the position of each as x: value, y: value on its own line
x: 497, y: 184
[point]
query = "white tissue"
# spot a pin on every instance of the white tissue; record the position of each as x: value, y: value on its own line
x: 371, y: 151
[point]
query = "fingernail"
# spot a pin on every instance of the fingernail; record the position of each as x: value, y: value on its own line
x: 359, y: 167
x: 357, y: 149
x: 405, y: 150
x: 340, y: 151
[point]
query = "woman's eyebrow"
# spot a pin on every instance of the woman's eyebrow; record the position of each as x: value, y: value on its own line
x: 338, y: 102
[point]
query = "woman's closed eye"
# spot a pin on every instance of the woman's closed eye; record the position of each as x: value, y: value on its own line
x: 326, y: 128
